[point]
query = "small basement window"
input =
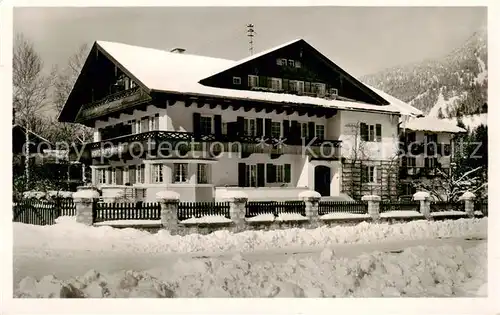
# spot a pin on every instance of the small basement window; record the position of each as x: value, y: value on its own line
x: 236, y: 80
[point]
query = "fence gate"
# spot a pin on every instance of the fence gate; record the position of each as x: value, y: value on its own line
x: 42, y: 212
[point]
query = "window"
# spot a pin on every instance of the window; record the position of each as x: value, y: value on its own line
x: 431, y: 162
x: 180, y: 171
x: 133, y: 126
x: 276, y: 129
x: 276, y: 84
x: 297, y: 64
x: 368, y: 174
x: 305, y: 130
x: 140, y: 173
x: 202, y: 174
x: 283, y: 61
x: 318, y: 88
x: 126, y: 175
x: 278, y: 173
x: 101, y: 175
x: 224, y: 128
x: 431, y: 138
x: 206, y: 125
x: 279, y: 62
x: 253, y: 80
x: 411, y: 161
x: 236, y: 80
x: 155, y: 122
x: 250, y: 127
x: 371, y: 132
x: 297, y: 86
x: 144, y: 124
x: 320, y: 132
x: 411, y: 137
x: 251, y: 175
x: 113, y: 176
x: 157, y: 173
x: 291, y: 63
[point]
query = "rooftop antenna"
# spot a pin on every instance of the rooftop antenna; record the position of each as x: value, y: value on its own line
x: 250, y: 34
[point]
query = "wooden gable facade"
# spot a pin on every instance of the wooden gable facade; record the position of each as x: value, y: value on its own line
x: 297, y: 61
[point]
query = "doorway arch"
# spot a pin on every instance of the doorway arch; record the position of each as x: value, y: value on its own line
x: 322, y: 179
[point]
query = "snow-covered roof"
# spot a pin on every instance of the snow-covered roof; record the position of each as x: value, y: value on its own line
x: 434, y: 124
x: 164, y: 71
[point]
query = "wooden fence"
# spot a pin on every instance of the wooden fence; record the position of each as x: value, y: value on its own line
x: 254, y: 208
x: 104, y: 211
x: 357, y: 207
x: 188, y: 210
x: 400, y: 205
x: 42, y: 212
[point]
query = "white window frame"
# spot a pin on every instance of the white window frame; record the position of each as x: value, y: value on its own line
x: 178, y: 173
x: 139, y: 179
x: 112, y: 175
x: 247, y: 124
x: 372, y: 174
x: 279, y: 61
x: 371, y: 133
x: 298, y: 86
x: 280, y: 174
x: 274, y: 125
x: 125, y: 177
x: 297, y: 64
x: 202, y: 119
x: 276, y: 84
x: 318, y: 133
x: 202, y: 173
x: 251, y: 175
x: 413, y: 163
x: 291, y: 63
x: 253, y: 79
x: 157, y: 173
x: 319, y: 88
x: 236, y: 80
x: 101, y: 175
x: 224, y: 128
x: 284, y: 62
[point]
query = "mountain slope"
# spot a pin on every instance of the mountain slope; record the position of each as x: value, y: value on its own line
x: 454, y: 85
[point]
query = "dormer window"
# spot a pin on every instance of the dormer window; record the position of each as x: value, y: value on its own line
x: 297, y: 64
x: 253, y: 80
x: 291, y: 63
x: 236, y: 80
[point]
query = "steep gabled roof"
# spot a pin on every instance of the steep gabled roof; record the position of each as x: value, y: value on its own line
x: 433, y: 124
x: 162, y: 71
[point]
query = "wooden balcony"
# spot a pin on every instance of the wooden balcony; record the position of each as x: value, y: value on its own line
x: 113, y: 103
x: 187, y: 141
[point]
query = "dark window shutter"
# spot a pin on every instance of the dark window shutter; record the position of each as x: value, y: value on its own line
x: 119, y: 176
x: 268, y: 124
x: 261, y: 175
x: 131, y: 175
x: 241, y: 174
x: 288, y: 173
x: 240, y: 123
x: 378, y: 132
x: 311, y: 126
x: 426, y: 162
x: 196, y: 124
x: 295, y: 130
x: 271, y: 173
x: 364, y: 131
x: 286, y: 128
x: 156, y: 122
x: 263, y: 81
x: 218, y: 125
x: 260, y: 127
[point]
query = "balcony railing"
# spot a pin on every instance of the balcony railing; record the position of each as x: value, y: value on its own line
x: 191, y: 141
x: 407, y: 171
x: 113, y: 102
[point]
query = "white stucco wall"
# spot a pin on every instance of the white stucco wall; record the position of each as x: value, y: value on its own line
x: 151, y: 110
x: 384, y: 150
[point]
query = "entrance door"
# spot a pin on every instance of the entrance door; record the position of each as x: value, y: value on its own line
x: 322, y: 178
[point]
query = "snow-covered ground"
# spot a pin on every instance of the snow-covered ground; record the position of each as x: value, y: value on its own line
x: 338, y: 261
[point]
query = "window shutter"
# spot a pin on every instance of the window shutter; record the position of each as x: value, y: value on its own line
x: 288, y: 173
x: 271, y: 173
x: 426, y: 162
x: 364, y: 131
x: 295, y: 130
x: 311, y: 130
x: 261, y: 176
x: 156, y: 124
x: 268, y: 124
x: 218, y: 125
x: 119, y: 176
x: 263, y: 81
x: 131, y: 175
x: 260, y: 126
x: 196, y: 124
x: 286, y: 128
x: 378, y: 132
x: 240, y: 122
x: 143, y: 173
x: 241, y: 174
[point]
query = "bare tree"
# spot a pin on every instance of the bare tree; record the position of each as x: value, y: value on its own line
x: 63, y: 84
x: 30, y: 89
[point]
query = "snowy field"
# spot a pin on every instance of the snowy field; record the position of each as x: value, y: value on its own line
x: 419, y: 258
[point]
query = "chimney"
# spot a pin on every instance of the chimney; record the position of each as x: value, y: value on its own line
x: 177, y: 50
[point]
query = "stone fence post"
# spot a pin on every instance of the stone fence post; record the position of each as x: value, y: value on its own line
x: 468, y: 198
x: 237, y: 208
x: 373, y: 206
x: 425, y: 203
x: 169, y: 203
x: 311, y: 199
x: 84, y: 202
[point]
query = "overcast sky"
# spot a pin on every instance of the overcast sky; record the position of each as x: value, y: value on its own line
x: 360, y: 39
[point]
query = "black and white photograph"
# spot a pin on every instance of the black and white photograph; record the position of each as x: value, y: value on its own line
x: 248, y: 152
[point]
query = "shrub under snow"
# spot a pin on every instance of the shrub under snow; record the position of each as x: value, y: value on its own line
x: 418, y: 271
x: 69, y: 235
